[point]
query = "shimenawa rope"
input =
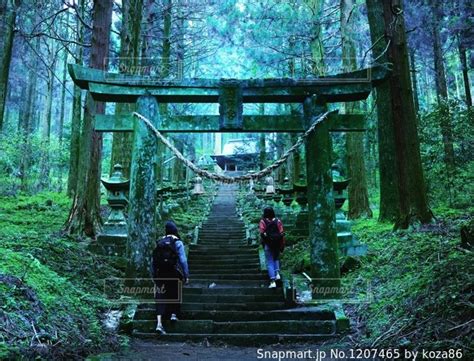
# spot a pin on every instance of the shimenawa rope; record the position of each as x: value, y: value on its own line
x: 226, y: 179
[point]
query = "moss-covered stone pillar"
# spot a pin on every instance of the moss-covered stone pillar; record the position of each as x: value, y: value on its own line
x: 142, y: 195
x: 321, y: 209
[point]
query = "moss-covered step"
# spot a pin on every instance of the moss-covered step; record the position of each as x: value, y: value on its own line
x: 230, y: 298
x: 226, y: 257
x: 231, y: 276
x: 248, y: 306
x: 248, y: 339
x: 222, y: 266
x: 192, y: 290
x: 275, y: 315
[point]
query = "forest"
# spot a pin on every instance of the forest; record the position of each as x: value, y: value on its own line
x: 352, y: 119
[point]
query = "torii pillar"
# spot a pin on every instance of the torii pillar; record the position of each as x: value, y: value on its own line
x: 321, y: 209
x: 142, y: 206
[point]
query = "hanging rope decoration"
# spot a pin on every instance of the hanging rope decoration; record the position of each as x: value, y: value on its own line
x: 222, y: 178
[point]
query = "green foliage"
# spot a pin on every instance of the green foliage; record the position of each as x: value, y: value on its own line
x: 21, y: 163
x: 421, y: 283
x: 453, y: 189
x: 50, y: 282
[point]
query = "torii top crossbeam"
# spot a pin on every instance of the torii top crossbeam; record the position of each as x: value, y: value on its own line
x: 113, y: 87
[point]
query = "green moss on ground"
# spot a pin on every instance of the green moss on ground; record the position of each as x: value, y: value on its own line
x: 422, y: 286
x: 51, y: 297
x: 421, y: 281
x: 52, y: 301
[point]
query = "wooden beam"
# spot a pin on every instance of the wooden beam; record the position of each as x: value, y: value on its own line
x: 210, y: 123
x: 127, y: 88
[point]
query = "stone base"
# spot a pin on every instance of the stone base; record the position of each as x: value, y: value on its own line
x: 109, y: 245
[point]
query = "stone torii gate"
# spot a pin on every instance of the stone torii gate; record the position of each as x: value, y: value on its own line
x: 230, y: 94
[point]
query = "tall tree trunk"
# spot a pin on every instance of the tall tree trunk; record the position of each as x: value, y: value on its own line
x: 45, y: 166
x: 316, y: 45
x: 442, y: 94
x: 465, y: 72
x: 398, y: 120
x: 358, y: 193
x: 129, y: 57
x: 74, y: 147
x: 6, y: 55
x: 62, y: 112
x: 84, y: 216
x: 414, y: 80
x: 28, y: 122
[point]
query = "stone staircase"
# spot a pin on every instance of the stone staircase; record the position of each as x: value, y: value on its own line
x: 228, y: 299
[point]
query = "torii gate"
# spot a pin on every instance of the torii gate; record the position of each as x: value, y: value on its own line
x: 314, y: 94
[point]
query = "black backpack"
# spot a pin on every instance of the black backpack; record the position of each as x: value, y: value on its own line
x: 274, y: 238
x: 165, y: 257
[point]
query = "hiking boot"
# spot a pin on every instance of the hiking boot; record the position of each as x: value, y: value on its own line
x: 272, y: 284
x: 173, y: 317
x: 160, y: 330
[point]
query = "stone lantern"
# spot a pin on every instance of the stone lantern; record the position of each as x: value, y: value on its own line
x: 251, y: 183
x: 270, y: 189
x: 112, y: 239
x: 198, y: 186
x: 287, y: 192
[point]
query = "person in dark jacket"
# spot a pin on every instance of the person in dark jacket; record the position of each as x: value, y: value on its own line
x: 272, y: 251
x: 168, y: 281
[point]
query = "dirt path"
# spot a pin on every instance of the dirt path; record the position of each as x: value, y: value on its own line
x: 181, y: 351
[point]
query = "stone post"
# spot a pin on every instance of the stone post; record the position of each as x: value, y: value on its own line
x: 322, y: 220
x: 142, y: 195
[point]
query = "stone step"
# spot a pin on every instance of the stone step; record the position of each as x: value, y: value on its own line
x: 196, y: 260
x: 254, y: 261
x: 238, y: 271
x: 190, y: 289
x: 229, y: 222
x: 226, y: 306
x: 221, y: 237
x: 227, y: 283
x: 272, y: 327
x: 223, y: 257
x: 237, y: 339
x: 221, y: 228
x: 222, y: 242
x: 238, y: 316
x: 250, y: 327
x: 240, y: 249
x: 189, y: 298
x: 214, y: 267
x: 223, y: 253
x: 230, y: 276
x: 222, y: 269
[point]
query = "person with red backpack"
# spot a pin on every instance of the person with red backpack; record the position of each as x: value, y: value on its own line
x: 273, y: 241
x: 170, y: 269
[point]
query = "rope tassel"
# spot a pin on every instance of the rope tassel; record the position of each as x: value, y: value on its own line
x: 225, y: 179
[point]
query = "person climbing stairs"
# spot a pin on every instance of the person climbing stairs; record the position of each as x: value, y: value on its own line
x: 228, y: 298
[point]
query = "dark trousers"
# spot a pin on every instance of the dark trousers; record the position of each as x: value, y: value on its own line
x: 168, y: 294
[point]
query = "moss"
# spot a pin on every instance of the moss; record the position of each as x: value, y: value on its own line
x: 421, y: 284
x: 49, y: 281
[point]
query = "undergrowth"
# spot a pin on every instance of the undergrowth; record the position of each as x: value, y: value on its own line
x: 422, y: 286
x: 52, y: 301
